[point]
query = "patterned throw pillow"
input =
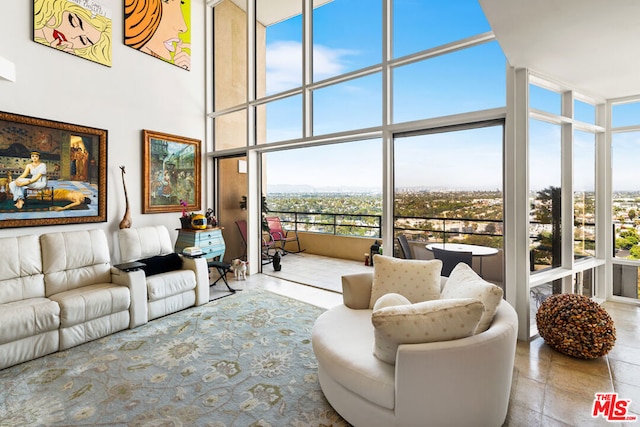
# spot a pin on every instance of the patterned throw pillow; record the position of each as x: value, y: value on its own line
x: 428, y: 321
x: 465, y: 283
x: 416, y: 280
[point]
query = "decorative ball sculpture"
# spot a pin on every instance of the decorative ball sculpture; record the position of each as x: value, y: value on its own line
x: 199, y: 222
x: 575, y: 325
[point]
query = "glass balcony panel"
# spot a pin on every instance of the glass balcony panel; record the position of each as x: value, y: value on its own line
x: 537, y: 295
x: 420, y: 25
x: 625, y: 281
x: 460, y: 82
x: 545, y: 195
x: 354, y: 104
x: 347, y: 36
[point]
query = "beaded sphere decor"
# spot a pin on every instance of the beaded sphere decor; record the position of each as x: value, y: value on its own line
x: 575, y: 325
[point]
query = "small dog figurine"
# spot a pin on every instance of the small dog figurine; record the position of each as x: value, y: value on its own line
x: 239, y: 268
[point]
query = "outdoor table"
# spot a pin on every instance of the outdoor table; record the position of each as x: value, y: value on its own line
x: 476, y: 250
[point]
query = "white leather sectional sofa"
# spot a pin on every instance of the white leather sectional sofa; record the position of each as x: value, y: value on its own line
x: 58, y: 290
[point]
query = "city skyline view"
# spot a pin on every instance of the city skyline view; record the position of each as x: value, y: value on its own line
x: 436, y: 87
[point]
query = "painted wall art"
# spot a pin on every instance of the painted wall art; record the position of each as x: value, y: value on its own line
x: 160, y: 28
x: 171, y: 173
x: 51, y: 172
x: 79, y: 27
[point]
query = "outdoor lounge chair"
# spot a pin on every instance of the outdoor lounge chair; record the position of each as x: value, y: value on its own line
x: 281, y: 236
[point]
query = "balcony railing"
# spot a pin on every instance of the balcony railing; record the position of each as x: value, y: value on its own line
x: 365, y: 225
x: 362, y: 225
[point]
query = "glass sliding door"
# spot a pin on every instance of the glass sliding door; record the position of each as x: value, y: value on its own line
x: 448, y: 187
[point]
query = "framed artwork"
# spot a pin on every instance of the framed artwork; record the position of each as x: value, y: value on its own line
x: 160, y: 28
x: 79, y: 27
x: 51, y: 172
x: 171, y: 173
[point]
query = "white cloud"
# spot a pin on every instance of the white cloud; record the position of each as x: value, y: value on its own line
x: 284, y: 64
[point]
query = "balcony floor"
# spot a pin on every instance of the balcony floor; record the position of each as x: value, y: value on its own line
x: 315, y: 270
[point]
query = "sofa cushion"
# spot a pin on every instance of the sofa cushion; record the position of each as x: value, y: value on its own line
x: 165, y: 285
x: 91, y: 302
x: 428, y: 321
x: 29, y: 317
x: 21, y: 269
x: 144, y: 242
x: 417, y: 280
x: 74, y: 259
x: 465, y: 283
x: 161, y: 264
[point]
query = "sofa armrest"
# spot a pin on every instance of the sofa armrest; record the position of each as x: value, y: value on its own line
x: 356, y: 290
x: 199, y: 267
x: 136, y: 281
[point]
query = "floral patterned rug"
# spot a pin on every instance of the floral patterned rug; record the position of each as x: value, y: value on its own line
x: 245, y: 360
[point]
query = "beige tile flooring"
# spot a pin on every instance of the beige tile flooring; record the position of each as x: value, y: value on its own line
x: 548, y: 388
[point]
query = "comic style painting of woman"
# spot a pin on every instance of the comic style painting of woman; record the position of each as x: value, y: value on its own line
x: 160, y: 28
x: 78, y: 27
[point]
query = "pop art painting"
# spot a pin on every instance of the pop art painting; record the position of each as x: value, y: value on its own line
x: 160, y: 28
x: 79, y: 27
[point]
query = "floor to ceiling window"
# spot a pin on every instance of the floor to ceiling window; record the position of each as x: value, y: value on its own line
x: 625, y: 198
x: 563, y: 143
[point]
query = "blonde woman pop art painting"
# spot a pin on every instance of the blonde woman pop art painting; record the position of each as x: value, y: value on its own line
x: 79, y: 27
x: 160, y: 28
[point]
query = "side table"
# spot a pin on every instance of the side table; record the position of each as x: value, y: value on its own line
x: 210, y: 240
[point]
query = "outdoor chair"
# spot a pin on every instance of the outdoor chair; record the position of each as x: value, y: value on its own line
x: 281, y: 236
x: 266, y: 244
x: 405, y: 248
x: 451, y: 258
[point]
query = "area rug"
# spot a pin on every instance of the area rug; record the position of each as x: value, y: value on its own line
x: 245, y: 360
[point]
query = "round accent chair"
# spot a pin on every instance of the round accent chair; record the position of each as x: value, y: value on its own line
x: 575, y: 325
x: 461, y: 382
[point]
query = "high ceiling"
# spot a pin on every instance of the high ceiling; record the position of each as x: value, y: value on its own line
x: 276, y: 11
x: 591, y: 45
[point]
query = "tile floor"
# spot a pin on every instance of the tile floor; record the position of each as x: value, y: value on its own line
x: 548, y: 388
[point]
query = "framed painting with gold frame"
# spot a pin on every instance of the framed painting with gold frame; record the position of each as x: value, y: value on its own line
x: 51, y: 172
x: 171, y: 173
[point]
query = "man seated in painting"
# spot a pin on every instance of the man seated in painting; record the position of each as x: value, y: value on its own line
x: 34, y: 176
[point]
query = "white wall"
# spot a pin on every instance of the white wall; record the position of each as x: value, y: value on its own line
x: 137, y: 92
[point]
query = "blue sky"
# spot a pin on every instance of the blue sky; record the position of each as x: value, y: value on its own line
x: 347, y: 36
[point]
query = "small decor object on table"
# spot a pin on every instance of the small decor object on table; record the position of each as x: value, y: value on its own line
x: 575, y: 325
x: 212, y: 221
x: 185, y: 219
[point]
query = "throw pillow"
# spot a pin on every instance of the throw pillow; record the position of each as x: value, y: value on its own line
x: 161, y: 264
x: 389, y: 300
x: 465, y: 283
x: 428, y: 321
x: 416, y: 280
